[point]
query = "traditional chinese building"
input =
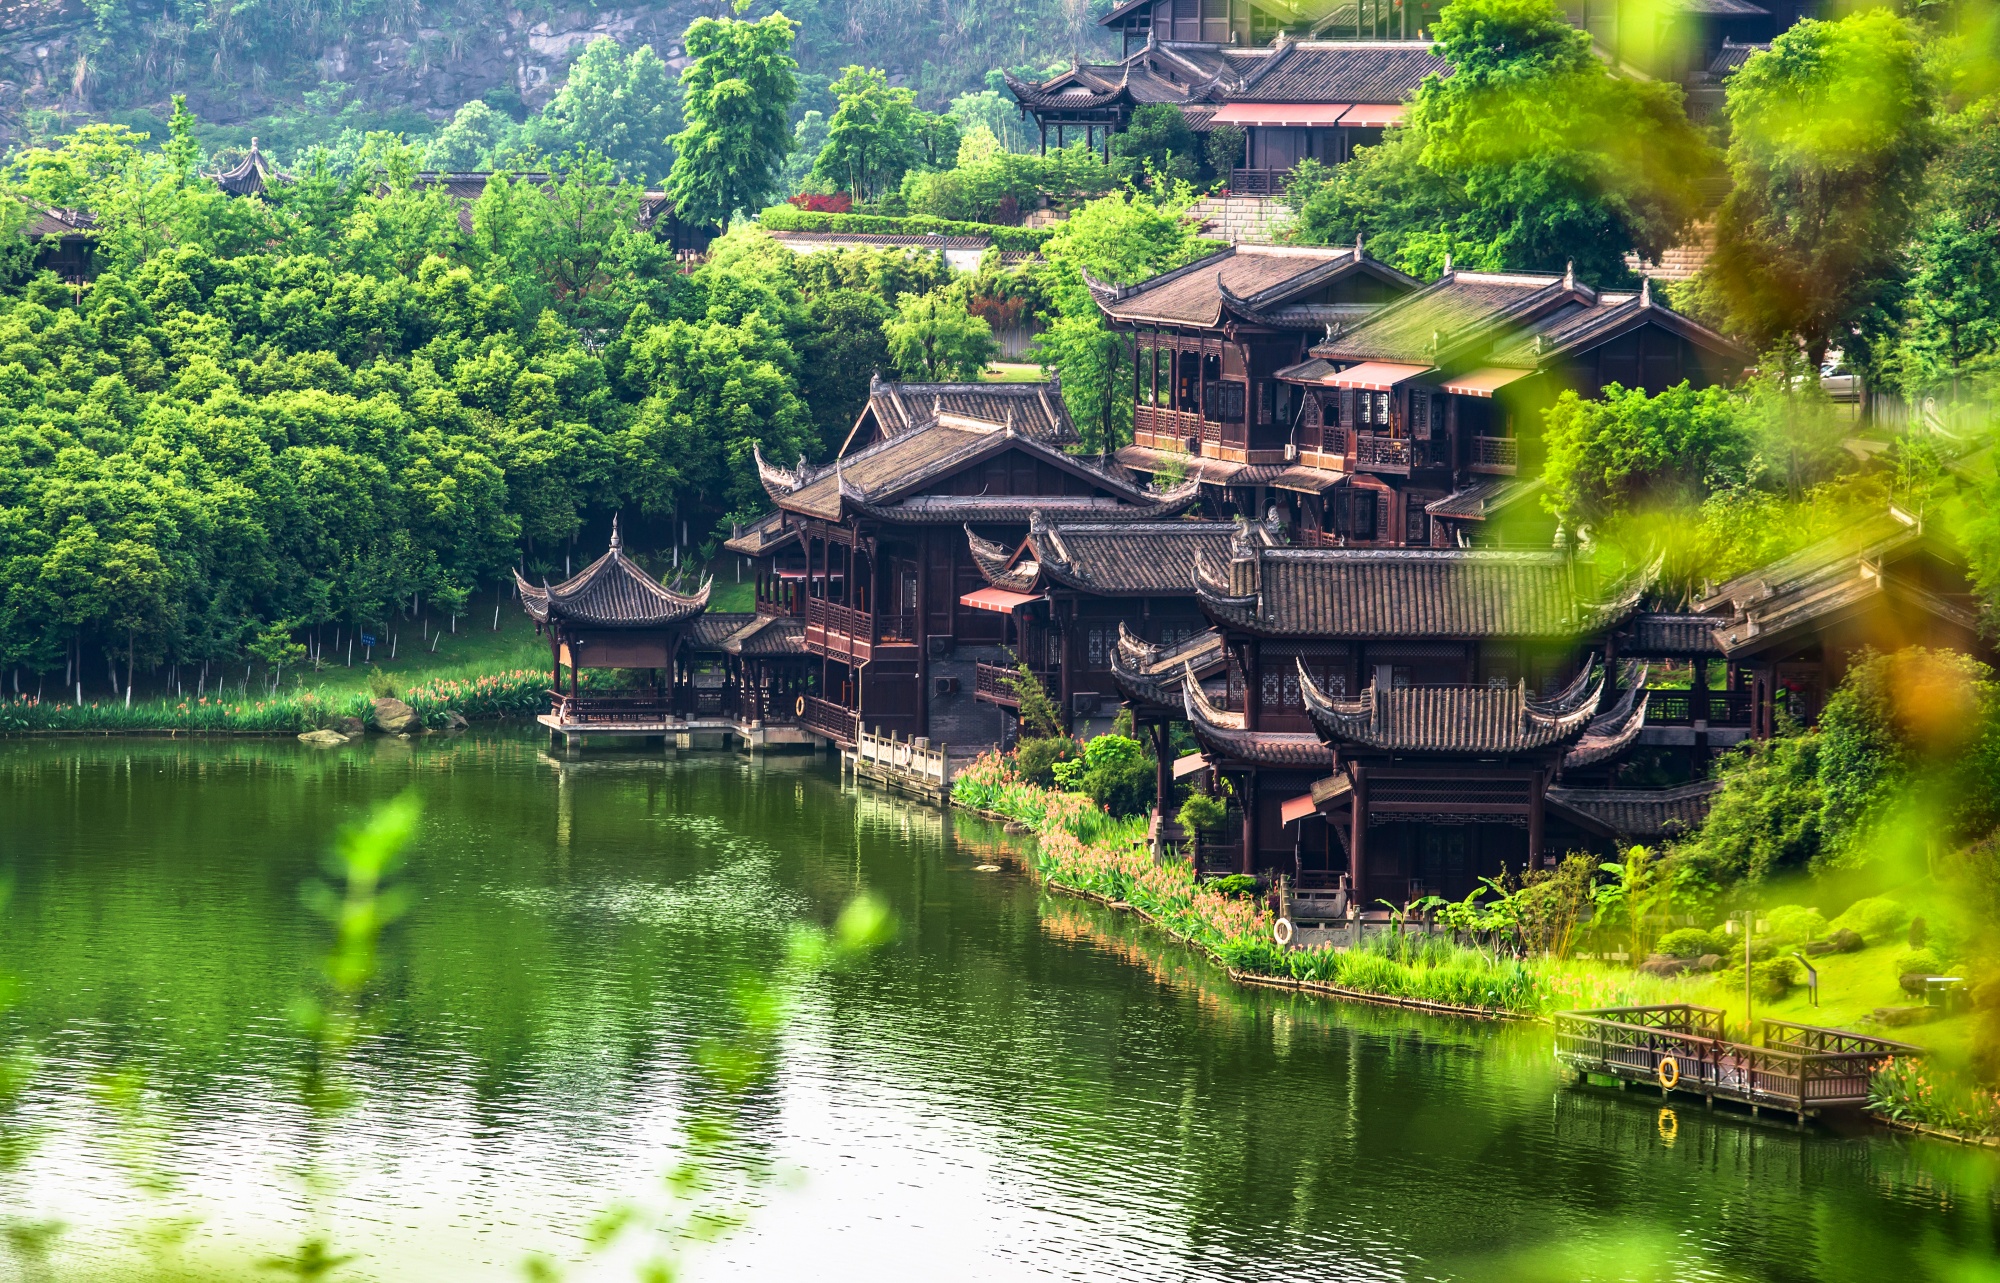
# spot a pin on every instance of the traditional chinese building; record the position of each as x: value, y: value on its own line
x: 613, y: 614
x: 1412, y: 706
x: 1293, y: 99
x: 871, y: 551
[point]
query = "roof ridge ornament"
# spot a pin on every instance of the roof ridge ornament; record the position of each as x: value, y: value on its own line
x: 616, y: 543
x: 1360, y: 247
x: 1645, y: 291
x: 1569, y: 275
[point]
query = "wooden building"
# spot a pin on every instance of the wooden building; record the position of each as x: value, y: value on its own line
x: 1413, y: 707
x: 1789, y: 631
x: 871, y: 551
x: 1074, y: 592
x: 613, y: 614
x: 1293, y: 99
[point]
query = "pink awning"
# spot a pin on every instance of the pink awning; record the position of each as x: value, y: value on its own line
x: 1375, y: 376
x: 1483, y: 382
x: 1189, y: 765
x: 1369, y: 115
x: 1001, y: 601
x: 1297, y: 808
x: 1280, y: 115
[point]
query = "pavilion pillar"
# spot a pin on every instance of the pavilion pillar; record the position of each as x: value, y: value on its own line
x: 1357, y: 836
x: 1162, y: 773
x: 1248, y: 862
x: 1043, y: 126
x: 1535, y: 819
x: 1698, y: 709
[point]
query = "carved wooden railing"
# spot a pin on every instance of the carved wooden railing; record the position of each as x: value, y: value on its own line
x: 1258, y: 182
x: 829, y: 719
x: 1495, y: 454
x: 1381, y: 454
x: 1159, y: 428
x: 611, y: 708
x: 1681, y: 708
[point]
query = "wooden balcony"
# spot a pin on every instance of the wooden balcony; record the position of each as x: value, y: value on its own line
x: 992, y: 684
x: 844, y: 633
x: 612, y: 710
x: 839, y: 724
x: 1498, y: 455
x: 1381, y: 454
x: 781, y: 597
x: 1258, y: 182
x: 1684, y: 708
x: 1158, y: 428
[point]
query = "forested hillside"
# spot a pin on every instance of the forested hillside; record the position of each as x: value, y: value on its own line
x: 301, y: 73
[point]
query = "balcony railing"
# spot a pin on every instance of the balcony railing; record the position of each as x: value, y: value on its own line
x: 829, y: 719
x: 842, y: 632
x: 1495, y: 454
x: 992, y: 684
x: 1680, y: 708
x: 1258, y: 182
x: 1159, y: 428
x: 780, y: 597
x: 612, y: 708
x: 1381, y: 454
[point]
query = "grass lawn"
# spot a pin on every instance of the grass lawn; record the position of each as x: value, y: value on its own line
x: 1007, y: 372
x: 476, y: 648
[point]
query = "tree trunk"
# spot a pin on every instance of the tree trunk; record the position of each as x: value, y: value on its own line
x: 129, y: 651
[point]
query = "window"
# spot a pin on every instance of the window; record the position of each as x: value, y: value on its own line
x: 1381, y: 409
x: 1099, y: 641
x: 1225, y: 402
x: 1417, y: 527
x: 1420, y: 416
x: 1364, y: 514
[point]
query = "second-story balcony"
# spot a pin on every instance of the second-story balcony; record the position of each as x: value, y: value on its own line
x: 1381, y: 453
x: 1499, y: 455
x: 1158, y: 428
x: 845, y: 633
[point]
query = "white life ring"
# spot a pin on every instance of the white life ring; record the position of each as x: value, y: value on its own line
x: 799, y: 709
x: 1282, y: 931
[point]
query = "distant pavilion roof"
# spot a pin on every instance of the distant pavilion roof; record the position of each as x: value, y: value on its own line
x: 1477, y: 720
x: 612, y: 592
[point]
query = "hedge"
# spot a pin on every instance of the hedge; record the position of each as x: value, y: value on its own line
x: 789, y: 218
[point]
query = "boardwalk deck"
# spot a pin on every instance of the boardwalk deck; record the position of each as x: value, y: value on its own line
x: 1679, y: 1047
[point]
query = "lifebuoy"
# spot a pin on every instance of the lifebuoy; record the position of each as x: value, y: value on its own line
x: 799, y: 709
x: 1281, y: 931
x: 1670, y: 1072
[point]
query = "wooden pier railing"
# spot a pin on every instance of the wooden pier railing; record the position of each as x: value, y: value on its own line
x: 832, y: 720
x: 1801, y: 1069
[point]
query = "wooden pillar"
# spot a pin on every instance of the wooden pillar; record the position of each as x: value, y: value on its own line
x: 1253, y: 690
x: 1162, y: 772
x: 1248, y: 862
x: 1043, y: 126
x: 1357, y: 835
x: 1535, y: 818
x: 1698, y: 709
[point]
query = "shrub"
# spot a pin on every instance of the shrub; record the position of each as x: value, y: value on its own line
x: 1035, y: 759
x: 1919, y: 962
x: 1117, y: 774
x: 1794, y: 924
x: 1693, y: 942
x: 1875, y: 919
x: 379, y: 684
x: 1773, y: 979
x: 822, y: 203
x: 1238, y: 884
x: 1911, y: 1092
x: 1202, y: 811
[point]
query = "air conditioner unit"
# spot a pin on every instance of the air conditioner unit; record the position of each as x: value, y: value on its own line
x: 1291, y: 453
x: 1083, y: 703
x: 944, y: 685
x: 940, y: 645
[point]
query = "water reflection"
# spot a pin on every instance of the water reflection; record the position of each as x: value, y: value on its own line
x: 1022, y: 1085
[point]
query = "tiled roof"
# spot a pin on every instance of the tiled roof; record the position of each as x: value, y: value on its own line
x: 1415, y: 330
x: 1731, y: 57
x: 711, y: 630
x: 1035, y: 409
x: 1151, y: 675
x: 768, y: 637
x: 1483, y: 720
x: 251, y: 175
x: 50, y: 220
x: 1642, y: 814
x: 1368, y: 71
x: 1829, y: 579
x: 1671, y: 635
x: 611, y: 592
x: 1153, y: 559
x: 1193, y: 295
x: 882, y: 240
x: 996, y: 563
x: 1484, y: 499
x: 1415, y: 593
x: 1616, y: 729
x: 884, y: 472
x: 761, y: 537
x: 1222, y: 735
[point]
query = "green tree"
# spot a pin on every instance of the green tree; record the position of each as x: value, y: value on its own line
x: 1951, y: 312
x: 934, y: 339
x: 1120, y: 240
x: 1531, y: 154
x: 473, y: 136
x: 1830, y: 133
x: 874, y: 136
x: 1158, y: 141
x: 621, y: 107
x: 738, y: 92
x: 1626, y: 451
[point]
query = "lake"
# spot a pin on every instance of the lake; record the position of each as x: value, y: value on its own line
x: 1020, y: 1085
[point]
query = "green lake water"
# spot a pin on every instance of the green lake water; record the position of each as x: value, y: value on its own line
x: 1019, y: 1086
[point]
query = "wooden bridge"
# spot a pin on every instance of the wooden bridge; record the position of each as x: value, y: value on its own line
x: 1800, y: 1069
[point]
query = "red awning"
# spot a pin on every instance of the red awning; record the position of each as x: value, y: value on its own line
x: 1001, y: 601
x: 1281, y: 115
x: 1297, y: 808
x: 1189, y: 765
x: 1483, y: 382
x: 1376, y: 376
x: 1368, y: 115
